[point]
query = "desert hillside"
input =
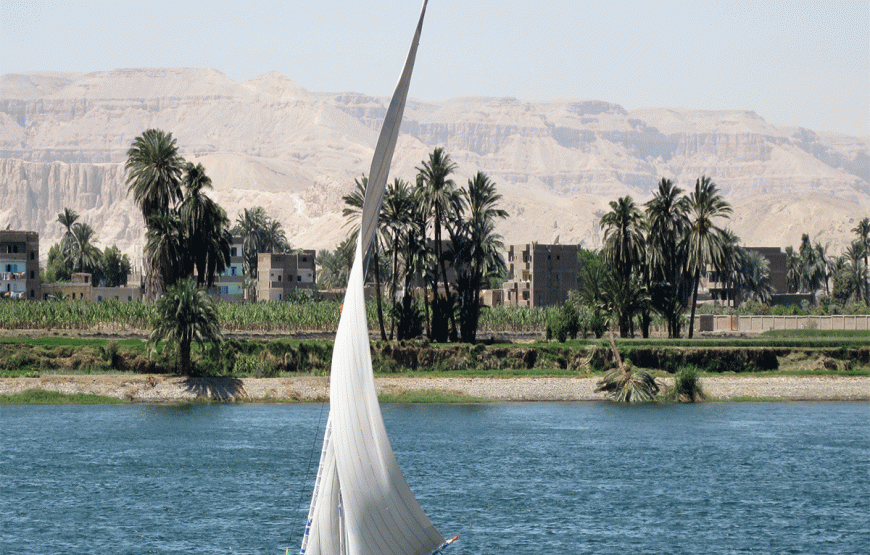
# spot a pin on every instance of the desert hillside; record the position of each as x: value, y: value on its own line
x: 269, y: 142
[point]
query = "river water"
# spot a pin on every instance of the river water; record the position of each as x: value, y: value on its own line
x: 543, y: 478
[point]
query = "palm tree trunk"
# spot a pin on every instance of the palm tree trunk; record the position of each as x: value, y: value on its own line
x: 438, y: 322
x: 426, y: 308
x: 696, y: 279
x: 393, y: 286
x: 378, y: 291
x: 184, y: 355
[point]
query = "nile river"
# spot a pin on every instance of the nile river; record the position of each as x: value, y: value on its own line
x: 543, y: 479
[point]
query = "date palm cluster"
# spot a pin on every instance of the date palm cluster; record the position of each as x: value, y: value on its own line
x: 654, y: 259
x: 406, y: 256
x: 76, y: 252
x: 187, y: 232
x: 844, y: 278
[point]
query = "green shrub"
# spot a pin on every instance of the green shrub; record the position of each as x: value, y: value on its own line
x: 687, y: 386
x: 563, y: 324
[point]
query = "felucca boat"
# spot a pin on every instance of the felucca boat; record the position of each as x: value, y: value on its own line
x: 361, y: 504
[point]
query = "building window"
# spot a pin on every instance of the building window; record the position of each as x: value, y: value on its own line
x: 32, y: 255
x: 32, y: 293
x: 234, y: 251
x: 298, y: 278
x: 232, y: 270
x: 279, y: 278
x: 32, y: 274
x: 304, y: 259
x: 99, y: 297
x: 130, y: 298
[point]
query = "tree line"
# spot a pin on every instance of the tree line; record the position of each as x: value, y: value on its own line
x: 405, y: 256
x: 654, y: 257
x: 76, y: 252
x: 840, y: 279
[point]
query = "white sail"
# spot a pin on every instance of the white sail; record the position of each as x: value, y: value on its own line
x: 361, y: 503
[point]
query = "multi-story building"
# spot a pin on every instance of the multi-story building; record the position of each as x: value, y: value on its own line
x: 19, y: 265
x: 229, y: 285
x: 279, y: 274
x: 540, y: 275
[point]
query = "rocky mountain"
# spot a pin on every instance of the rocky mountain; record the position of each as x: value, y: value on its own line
x: 269, y: 142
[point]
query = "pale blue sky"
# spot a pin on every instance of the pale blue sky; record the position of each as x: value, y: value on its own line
x: 794, y: 63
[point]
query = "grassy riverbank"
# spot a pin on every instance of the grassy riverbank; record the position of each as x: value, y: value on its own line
x: 802, y: 364
x: 804, y: 352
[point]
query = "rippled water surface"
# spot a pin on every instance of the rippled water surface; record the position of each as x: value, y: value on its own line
x: 549, y: 479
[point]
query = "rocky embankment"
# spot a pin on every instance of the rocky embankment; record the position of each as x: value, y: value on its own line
x: 169, y: 389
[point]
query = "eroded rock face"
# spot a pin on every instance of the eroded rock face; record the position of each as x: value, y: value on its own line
x: 269, y: 142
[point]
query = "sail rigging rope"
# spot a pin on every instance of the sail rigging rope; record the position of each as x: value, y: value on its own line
x: 303, y: 491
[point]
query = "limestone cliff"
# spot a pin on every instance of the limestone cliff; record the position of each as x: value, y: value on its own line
x: 269, y: 142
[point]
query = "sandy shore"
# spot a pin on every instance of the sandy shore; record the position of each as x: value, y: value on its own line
x: 168, y: 389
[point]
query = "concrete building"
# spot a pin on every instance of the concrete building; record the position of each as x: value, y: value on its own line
x: 540, y: 275
x: 229, y: 285
x: 279, y: 274
x: 81, y: 288
x: 19, y: 265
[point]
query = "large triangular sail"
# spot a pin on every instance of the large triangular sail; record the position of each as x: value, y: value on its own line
x: 361, y: 503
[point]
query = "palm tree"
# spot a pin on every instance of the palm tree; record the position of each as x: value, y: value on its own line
x: 730, y: 266
x: 185, y: 314
x: 335, y: 265
x: 154, y: 172
x: 353, y: 213
x: 85, y: 255
x: 862, y: 230
x: 668, y: 223
x: 792, y: 270
x: 811, y: 267
x: 825, y: 262
x: 418, y: 259
x: 755, y: 275
x: 703, y: 243
x: 627, y: 385
x: 479, y: 248
x: 67, y: 219
x: 442, y: 198
x: 164, y: 250
x: 396, y: 218
x: 154, y: 178
x: 855, y: 252
x: 204, y: 227
x: 274, y: 239
x: 623, y: 248
x: 249, y: 224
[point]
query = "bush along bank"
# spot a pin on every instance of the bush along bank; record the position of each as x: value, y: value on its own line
x: 282, y: 357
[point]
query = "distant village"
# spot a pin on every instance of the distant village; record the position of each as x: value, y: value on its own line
x: 538, y: 275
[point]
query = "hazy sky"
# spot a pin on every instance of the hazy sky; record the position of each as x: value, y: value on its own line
x: 794, y: 63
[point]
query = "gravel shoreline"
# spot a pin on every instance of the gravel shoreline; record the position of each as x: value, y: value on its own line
x: 173, y: 389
